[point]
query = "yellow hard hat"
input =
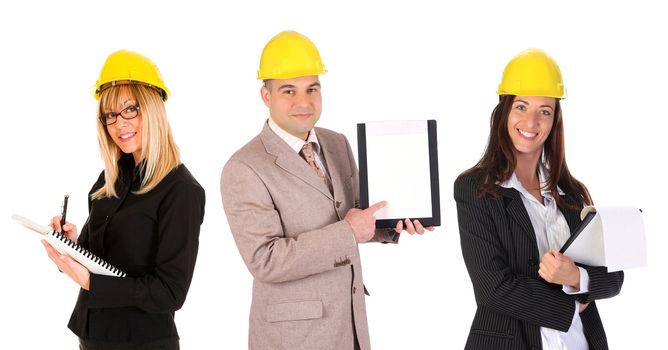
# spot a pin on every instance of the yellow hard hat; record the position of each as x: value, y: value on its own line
x: 127, y: 67
x: 289, y: 55
x: 532, y: 73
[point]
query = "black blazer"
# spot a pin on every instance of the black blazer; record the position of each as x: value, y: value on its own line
x: 501, y: 255
x: 154, y: 237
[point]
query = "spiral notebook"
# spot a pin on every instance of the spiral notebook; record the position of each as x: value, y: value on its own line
x: 64, y: 245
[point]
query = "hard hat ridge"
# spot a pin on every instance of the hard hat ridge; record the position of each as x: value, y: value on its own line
x: 532, y: 73
x: 128, y: 67
x: 289, y: 55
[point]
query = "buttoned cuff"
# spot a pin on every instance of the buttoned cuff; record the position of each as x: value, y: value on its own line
x: 584, y: 284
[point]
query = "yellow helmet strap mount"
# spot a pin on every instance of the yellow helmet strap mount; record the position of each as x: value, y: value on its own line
x: 103, y: 87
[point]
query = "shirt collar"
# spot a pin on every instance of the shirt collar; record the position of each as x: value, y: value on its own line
x: 543, y: 174
x: 295, y: 142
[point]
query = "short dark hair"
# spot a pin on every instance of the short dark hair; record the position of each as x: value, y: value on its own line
x: 268, y: 83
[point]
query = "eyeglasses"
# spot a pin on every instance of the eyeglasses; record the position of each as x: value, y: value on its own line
x: 130, y: 112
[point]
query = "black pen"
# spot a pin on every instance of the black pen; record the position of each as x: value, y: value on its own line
x: 62, y: 217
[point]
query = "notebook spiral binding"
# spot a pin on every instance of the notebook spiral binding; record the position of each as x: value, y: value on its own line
x: 109, y: 267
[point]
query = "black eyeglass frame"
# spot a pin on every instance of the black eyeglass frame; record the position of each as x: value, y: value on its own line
x: 104, y: 119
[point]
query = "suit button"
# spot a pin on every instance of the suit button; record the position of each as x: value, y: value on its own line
x: 338, y: 204
x: 354, y: 290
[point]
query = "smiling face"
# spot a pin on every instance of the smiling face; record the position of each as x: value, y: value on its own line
x: 294, y: 104
x: 530, y: 123
x: 126, y: 134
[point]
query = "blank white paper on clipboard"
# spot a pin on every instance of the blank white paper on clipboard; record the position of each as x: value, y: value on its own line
x: 615, y: 238
x: 398, y: 164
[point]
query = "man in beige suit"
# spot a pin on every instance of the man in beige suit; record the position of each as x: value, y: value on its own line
x: 290, y: 196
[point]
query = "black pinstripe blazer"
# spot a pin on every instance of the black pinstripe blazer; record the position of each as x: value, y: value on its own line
x: 501, y: 255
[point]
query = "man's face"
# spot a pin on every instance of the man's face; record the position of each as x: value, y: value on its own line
x: 294, y: 104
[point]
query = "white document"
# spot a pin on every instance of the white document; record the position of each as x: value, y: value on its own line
x: 615, y: 238
x: 398, y: 168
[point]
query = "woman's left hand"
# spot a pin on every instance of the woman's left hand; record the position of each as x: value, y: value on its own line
x: 77, y: 272
x: 559, y: 269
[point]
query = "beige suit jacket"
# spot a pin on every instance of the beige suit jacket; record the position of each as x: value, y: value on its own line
x: 307, y: 289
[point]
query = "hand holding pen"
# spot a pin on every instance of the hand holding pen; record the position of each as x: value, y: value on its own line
x: 64, y: 211
x: 60, y: 224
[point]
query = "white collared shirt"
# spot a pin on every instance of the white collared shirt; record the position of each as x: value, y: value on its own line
x: 297, y: 144
x: 552, y: 231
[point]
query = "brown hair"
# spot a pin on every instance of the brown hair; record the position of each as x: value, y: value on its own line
x: 498, y: 161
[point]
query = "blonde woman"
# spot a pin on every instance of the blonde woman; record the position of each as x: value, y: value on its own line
x: 145, y: 211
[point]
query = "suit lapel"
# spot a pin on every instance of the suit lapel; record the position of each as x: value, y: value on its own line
x: 328, y: 150
x: 290, y: 161
x: 516, y: 210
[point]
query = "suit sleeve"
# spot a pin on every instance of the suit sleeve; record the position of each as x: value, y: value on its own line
x: 385, y: 235
x: 496, y: 286
x: 602, y: 284
x: 179, y: 218
x: 256, y: 226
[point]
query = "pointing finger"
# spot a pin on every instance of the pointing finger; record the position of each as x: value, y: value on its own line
x: 376, y: 207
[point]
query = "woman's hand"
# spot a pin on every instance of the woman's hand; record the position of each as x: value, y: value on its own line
x: 559, y: 269
x: 77, y: 272
x: 69, y: 229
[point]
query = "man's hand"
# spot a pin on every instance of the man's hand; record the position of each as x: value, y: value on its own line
x: 412, y: 227
x: 363, y: 221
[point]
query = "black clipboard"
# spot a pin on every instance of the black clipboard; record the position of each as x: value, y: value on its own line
x: 432, y: 220
x: 588, y: 218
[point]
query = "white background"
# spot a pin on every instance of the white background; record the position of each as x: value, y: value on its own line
x: 386, y: 60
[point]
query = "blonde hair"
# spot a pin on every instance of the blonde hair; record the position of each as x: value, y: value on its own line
x: 159, y: 154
